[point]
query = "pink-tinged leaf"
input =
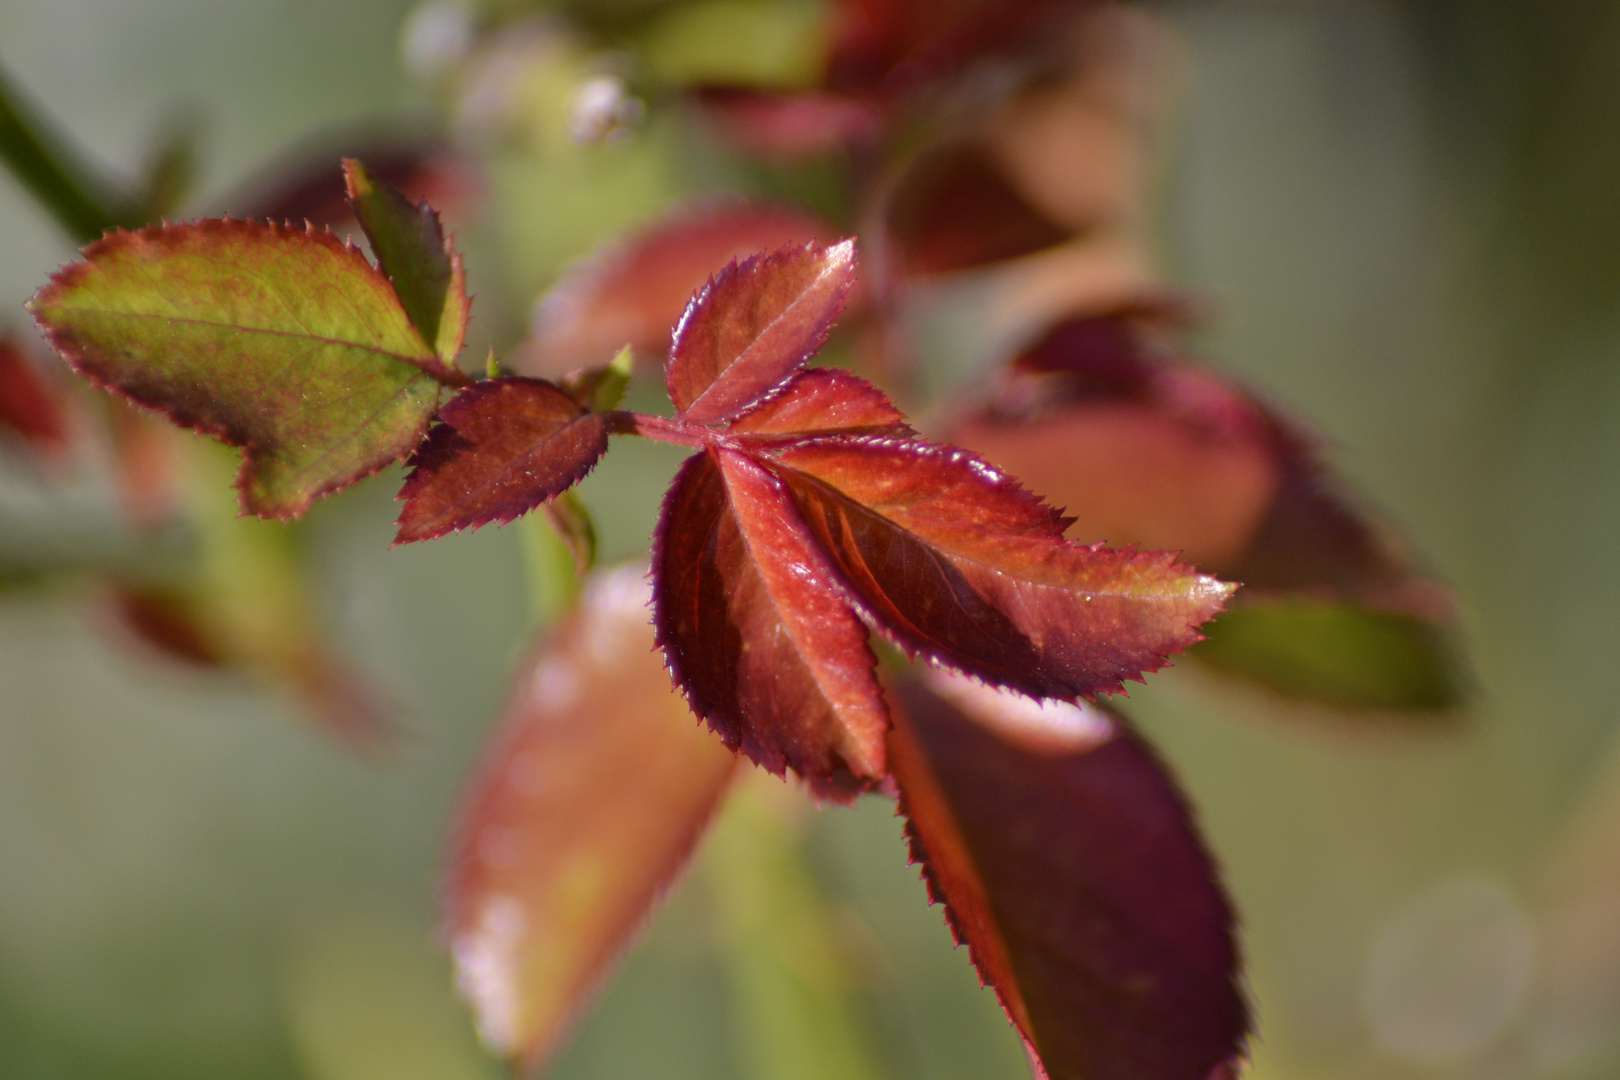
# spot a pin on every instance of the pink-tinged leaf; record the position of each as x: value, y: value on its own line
x: 501, y: 448
x: 790, y: 127
x: 31, y: 409
x: 412, y: 251
x: 958, y: 563
x: 753, y: 325
x: 596, y: 791
x: 954, y: 210
x: 1070, y: 865
x: 634, y: 291
x: 285, y: 342
x: 758, y: 635
x: 824, y: 400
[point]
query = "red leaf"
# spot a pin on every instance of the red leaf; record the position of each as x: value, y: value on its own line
x: 306, y: 185
x: 1150, y: 450
x: 30, y: 407
x: 501, y: 448
x: 754, y: 324
x: 789, y: 127
x: 633, y: 291
x: 954, y: 210
x: 1070, y: 865
x: 957, y: 562
x: 825, y: 400
x: 756, y: 632
x: 581, y: 818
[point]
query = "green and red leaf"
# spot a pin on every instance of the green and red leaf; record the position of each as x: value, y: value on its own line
x: 411, y: 249
x: 758, y: 633
x: 282, y: 341
x: 1071, y: 867
x: 582, y: 817
x: 501, y: 448
x: 633, y: 291
x: 753, y: 326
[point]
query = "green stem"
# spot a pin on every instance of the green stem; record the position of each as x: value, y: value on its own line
x: 82, y: 203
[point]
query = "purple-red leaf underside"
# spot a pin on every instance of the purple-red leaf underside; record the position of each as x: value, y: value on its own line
x: 632, y: 292
x: 757, y: 633
x: 1072, y: 868
x: 958, y: 563
x: 501, y: 448
x: 753, y: 325
x: 580, y: 820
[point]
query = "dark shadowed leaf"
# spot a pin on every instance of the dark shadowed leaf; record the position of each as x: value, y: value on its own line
x: 579, y: 821
x: 412, y: 251
x: 31, y: 409
x: 1071, y: 867
x: 634, y: 291
x: 955, y: 210
x: 166, y: 620
x: 754, y: 324
x: 960, y: 564
x: 1337, y: 654
x: 757, y: 633
x: 789, y: 127
x: 306, y: 184
x: 501, y: 448
x: 282, y: 341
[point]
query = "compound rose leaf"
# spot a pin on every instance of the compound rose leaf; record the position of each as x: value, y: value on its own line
x: 582, y: 816
x: 31, y: 409
x: 956, y: 562
x: 282, y: 341
x: 634, y: 291
x: 825, y: 400
x: 501, y: 448
x: 411, y: 249
x: 762, y: 642
x: 753, y: 325
x: 1071, y: 866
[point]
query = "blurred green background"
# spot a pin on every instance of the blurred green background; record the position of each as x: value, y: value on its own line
x: 1408, y: 215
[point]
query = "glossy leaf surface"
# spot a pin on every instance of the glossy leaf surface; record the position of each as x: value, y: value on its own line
x: 412, y: 251
x: 581, y: 818
x: 501, y: 448
x: 1071, y: 867
x: 634, y: 291
x: 825, y: 400
x: 757, y: 632
x: 282, y: 341
x: 754, y: 324
x: 957, y: 562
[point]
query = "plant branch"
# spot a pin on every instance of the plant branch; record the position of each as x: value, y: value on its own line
x: 83, y: 203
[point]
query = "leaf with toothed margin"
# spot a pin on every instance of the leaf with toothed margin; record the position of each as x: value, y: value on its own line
x: 583, y: 814
x: 1072, y: 868
x: 956, y: 562
x: 285, y: 342
x: 824, y: 400
x: 634, y: 290
x: 758, y: 635
x: 411, y: 249
x: 753, y: 325
x: 501, y: 448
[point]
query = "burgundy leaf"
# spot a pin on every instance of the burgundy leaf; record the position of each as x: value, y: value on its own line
x: 582, y: 816
x: 955, y: 210
x: 789, y: 127
x: 30, y: 407
x: 1072, y: 868
x: 634, y: 291
x: 825, y: 400
x: 756, y: 632
x: 167, y: 622
x: 957, y: 562
x: 754, y: 324
x: 501, y: 448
